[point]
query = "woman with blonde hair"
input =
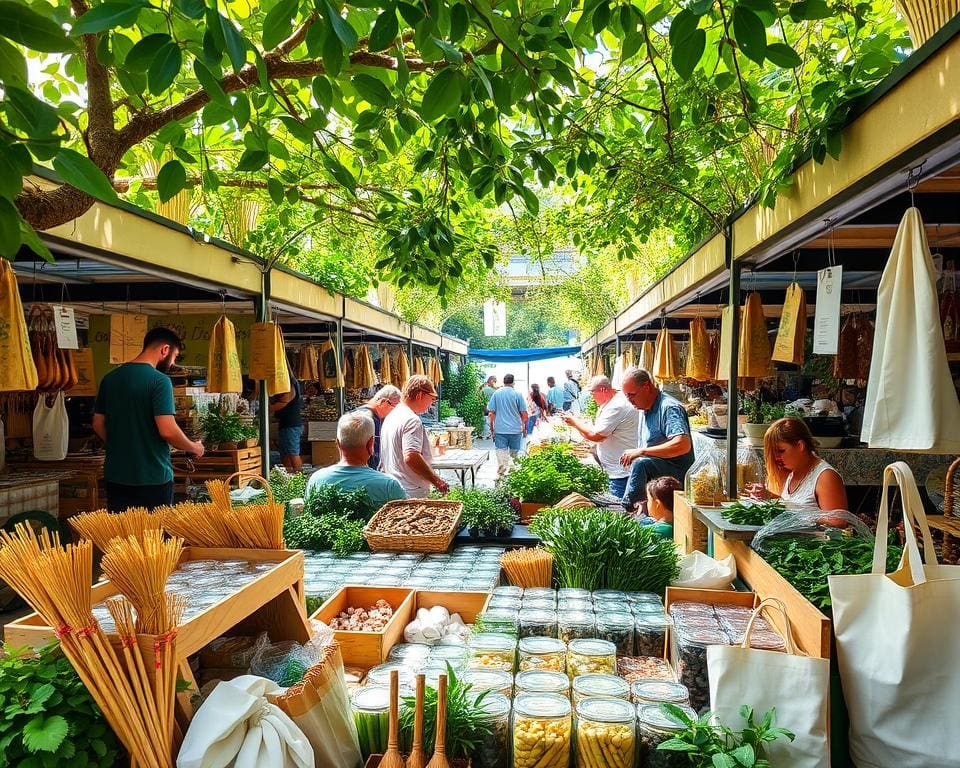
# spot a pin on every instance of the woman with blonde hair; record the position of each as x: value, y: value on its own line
x: 794, y: 471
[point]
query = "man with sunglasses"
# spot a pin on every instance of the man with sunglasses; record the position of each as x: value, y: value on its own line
x: 665, y: 445
x: 405, y: 451
x: 136, y: 419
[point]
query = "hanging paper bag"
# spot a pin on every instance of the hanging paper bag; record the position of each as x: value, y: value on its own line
x: 797, y: 686
x: 126, y: 337
x: 51, y: 428
x: 418, y: 366
x: 86, y: 385
x: 268, y: 361
x: 897, y: 659
x: 854, y: 348
x: 403, y: 368
x: 646, y: 356
x: 792, y: 333
x: 223, y: 360
x: 331, y: 374
x: 665, y: 365
x: 698, y: 354
x: 386, y: 370
x: 754, y: 339
x: 18, y: 371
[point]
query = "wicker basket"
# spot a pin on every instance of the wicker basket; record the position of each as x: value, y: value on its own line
x: 949, y: 522
x: 393, y: 542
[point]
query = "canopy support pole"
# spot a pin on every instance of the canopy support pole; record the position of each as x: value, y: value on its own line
x: 733, y: 400
x: 340, y: 353
x: 262, y: 307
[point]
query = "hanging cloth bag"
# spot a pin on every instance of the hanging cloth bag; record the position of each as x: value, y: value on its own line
x: 403, y: 368
x: 18, y: 372
x: 223, y: 360
x: 754, y: 340
x: 792, y: 333
x: 51, y: 429
x: 898, y: 658
x: 698, y: 355
x: 646, y: 356
x: 665, y: 365
x: 909, y: 341
x: 386, y: 370
x: 268, y: 361
x: 797, y: 686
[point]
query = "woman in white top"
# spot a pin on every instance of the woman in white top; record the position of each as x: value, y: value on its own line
x: 794, y: 471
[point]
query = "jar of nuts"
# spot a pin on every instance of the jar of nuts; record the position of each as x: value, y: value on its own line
x: 542, y: 681
x: 650, y: 631
x: 606, y: 735
x: 543, y: 653
x: 602, y: 686
x: 572, y: 625
x: 541, y: 731
x: 654, y: 727
x: 494, y: 748
x: 617, y: 627
x: 492, y: 651
x: 538, y: 623
x: 586, y: 657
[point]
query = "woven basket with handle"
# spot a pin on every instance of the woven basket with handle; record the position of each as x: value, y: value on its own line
x: 949, y: 522
x: 381, y: 541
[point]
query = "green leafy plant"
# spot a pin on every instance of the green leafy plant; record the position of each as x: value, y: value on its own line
x: 49, y: 718
x: 552, y: 473
x: 807, y: 561
x: 596, y: 548
x: 286, y: 486
x: 446, y: 410
x: 485, y: 510
x: 220, y: 425
x: 467, y: 721
x: 753, y: 513
x: 332, y: 518
x: 718, y: 746
x: 590, y: 408
x: 462, y: 388
x: 759, y: 412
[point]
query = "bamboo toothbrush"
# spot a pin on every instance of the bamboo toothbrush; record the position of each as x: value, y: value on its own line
x: 392, y: 758
x: 417, y: 758
x: 439, y: 759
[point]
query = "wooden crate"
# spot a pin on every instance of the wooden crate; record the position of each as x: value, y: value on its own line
x: 811, y: 628
x: 710, y: 596
x: 323, y: 453
x: 468, y: 604
x: 689, y: 534
x: 367, y: 649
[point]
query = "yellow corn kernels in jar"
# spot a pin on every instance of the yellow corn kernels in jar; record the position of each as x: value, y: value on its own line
x: 591, y: 657
x: 605, y: 733
x: 541, y: 731
x: 492, y: 651
x: 543, y: 653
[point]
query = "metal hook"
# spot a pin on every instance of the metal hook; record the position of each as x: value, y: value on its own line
x: 796, y: 260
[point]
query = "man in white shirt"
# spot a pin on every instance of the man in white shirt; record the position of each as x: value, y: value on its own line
x: 614, y: 431
x: 404, y: 444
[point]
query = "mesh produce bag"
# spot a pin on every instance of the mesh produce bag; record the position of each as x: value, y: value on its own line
x: 811, y: 522
x: 286, y: 663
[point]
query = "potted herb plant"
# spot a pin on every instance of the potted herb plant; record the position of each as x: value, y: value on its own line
x: 485, y: 512
x: 542, y: 479
x: 225, y: 430
x: 760, y: 416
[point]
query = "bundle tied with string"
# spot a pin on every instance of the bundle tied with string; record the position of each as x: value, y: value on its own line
x: 531, y: 567
x: 135, y: 695
x: 252, y: 526
x: 102, y: 526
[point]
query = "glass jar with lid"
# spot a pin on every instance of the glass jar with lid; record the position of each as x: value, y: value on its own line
x: 538, y: 604
x: 492, y: 651
x: 371, y: 713
x: 650, y: 632
x: 537, y: 623
x: 481, y: 680
x: 508, y: 591
x: 493, y: 751
x: 604, y: 686
x: 617, y: 627
x: 609, y: 595
x: 455, y: 655
x: 654, y: 727
x: 573, y: 593
x: 588, y: 657
x: 691, y: 654
x: 540, y: 593
x: 572, y: 625
x: 542, y: 729
x: 606, y: 733
x: 543, y: 653
x: 504, y: 622
x: 413, y: 655
x: 542, y: 681
x: 498, y: 602
x: 659, y: 692
x: 575, y: 604
x: 380, y: 674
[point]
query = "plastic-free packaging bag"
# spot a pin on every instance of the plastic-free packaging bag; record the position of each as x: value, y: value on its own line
x: 51, y: 429
x: 223, y: 360
x: 792, y: 334
x: 268, y: 361
x: 698, y: 356
x: 18, y: 372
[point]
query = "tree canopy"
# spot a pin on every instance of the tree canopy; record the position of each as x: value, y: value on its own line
x: 409, y: 120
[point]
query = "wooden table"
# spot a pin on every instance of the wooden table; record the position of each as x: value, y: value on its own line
x: 461, y: 462
x: 461, y: 437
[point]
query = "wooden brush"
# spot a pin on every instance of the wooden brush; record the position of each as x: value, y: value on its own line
x: 439, y: 759
x: 392, y: 758
x: 417, y: 758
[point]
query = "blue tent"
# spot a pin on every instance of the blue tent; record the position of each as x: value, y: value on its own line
x: 522, y: 355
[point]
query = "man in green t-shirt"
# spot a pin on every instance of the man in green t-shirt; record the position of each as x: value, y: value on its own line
x: 135, y: 418
x: 487, y: 391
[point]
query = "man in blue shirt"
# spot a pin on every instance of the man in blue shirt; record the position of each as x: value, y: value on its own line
x: 666, y: 447
x: 355, y: 440
x: 508, y: 422
x: 554, y: 395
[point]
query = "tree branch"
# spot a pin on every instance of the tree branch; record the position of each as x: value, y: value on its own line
x: 100, y: 132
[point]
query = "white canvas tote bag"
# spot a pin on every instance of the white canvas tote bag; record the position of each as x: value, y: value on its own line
x: 51, y: 429
x: 797, y: 686
x: 897, y: 647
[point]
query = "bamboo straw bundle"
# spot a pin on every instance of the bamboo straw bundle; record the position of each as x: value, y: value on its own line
x: 102, y: 526
x: 528, y: 567
x: 199, y: 525
x: 139, y: 570
x: 257, y: 526
x: 56, y: 581
x: 219, y: 492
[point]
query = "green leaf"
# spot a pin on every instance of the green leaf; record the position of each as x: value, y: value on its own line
x: 442, y: 96
x: 723, y: 761
x: 79, y: 171
x: 107, y: 16
x: 11, y: 178
x: 332, y: 55
x: 682, y: 27
x: 385, y: 30
x: 253, y: 159
x: 783, y: 55
x: 750, y: 33
x: 39, y: 116
x: 164, y: 69
x: 530, y: 200
x: 632, y: 44
x: 275, y: 188
x: 450, y: 52
x: 32, y: 241
x: 209, y: 83
x: 372, y: 89
x: 322, y: 91
x: 31, y: 30
x: 810, y: 10
x: 278, y: 23
x: 235, y: 44
x: 192, y: 9
x: 687, y: 54
x: 10, y: 232
x: 241, y: 110
x: 45, y: 734
x: 142, y: 55
x: 341, y: 28
x: 700, y: 7
x: 39, y: 697
x: 171, y: 179
x: 744, y: 755
x: 340, y: 173
x: 13, y: 67
x: 459, y: 22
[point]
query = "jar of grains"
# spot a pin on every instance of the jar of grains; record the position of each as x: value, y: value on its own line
x: 600, y: 686
x: 541, y: 731
x: 586, y: 657
x: 492, y: 651
x: 542, y: 681
x: 543, y: 653
x: 605, y: 733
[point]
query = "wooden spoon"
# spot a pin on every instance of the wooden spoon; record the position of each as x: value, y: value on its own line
x: 392, y: 758
x: 417, y: 758
x: 439, y: 759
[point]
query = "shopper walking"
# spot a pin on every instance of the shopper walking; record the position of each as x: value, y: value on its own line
x: 537, y: 407
x: 135, y: 417
x: 288, y: 409
x: 571, y: 391
x: 554, y: 395
x: 379, y: 407
x: 404, y: 444
x: 666, y: 447
x: 508, y: 421
x: 487, y: 391
x: 614, y: 431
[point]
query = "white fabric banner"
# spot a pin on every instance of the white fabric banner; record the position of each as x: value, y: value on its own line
x: 494, y: 318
